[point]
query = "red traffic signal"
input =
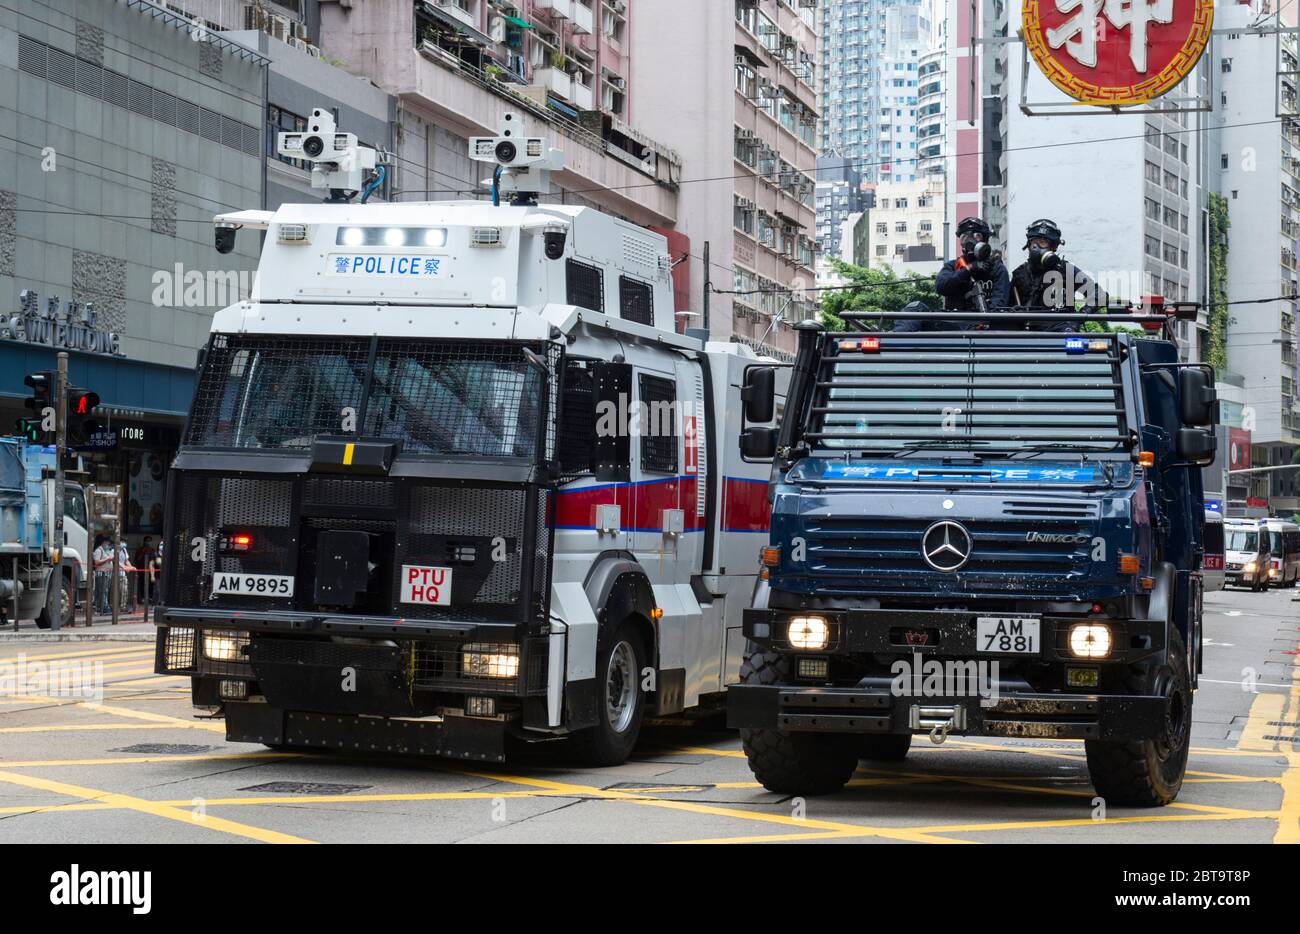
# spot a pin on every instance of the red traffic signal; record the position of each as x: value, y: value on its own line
x: 81, y: 402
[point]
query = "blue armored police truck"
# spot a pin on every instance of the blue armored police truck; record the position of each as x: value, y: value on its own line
x: 982, y: 532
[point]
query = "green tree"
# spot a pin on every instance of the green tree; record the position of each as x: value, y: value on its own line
x: 871, y: 291
x: 1217, y: 351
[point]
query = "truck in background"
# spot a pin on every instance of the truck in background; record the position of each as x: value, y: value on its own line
x: 988, y: 533
x: 30, y: 585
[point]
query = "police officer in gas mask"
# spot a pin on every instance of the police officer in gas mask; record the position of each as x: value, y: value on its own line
x: 1045, y: 282
x: 976, y: 280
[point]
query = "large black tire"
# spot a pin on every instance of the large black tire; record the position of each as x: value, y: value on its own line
x: 620, y: 655
x: 794, y: 763
x: 1149, y: 773
x: 885, y: 747
x: 64, y: 599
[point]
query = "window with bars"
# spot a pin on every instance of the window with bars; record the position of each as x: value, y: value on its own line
x: 658, y: 424
x: 585, y: 285
x: 635, y: 301
x: 577, y: 417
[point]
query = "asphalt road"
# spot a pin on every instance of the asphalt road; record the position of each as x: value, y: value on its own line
x: 138, y: 767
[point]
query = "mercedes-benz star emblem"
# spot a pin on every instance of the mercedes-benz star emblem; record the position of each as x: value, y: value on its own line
x: 946, y: 546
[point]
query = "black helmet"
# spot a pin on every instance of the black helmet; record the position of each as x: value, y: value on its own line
x: 974, y: 225
x: 1045, y: 229
x: 917, y: 308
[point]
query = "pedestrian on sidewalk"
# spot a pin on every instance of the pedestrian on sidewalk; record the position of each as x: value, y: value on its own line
x: 145, y: 556
x: 103, y: 558
x: 125, y: 590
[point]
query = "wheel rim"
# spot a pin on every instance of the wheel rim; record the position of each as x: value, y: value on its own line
x: 1175, y: 719
x: 620, y: 687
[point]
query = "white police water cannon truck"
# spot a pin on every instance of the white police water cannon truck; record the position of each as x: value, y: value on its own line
x: 452, y: 477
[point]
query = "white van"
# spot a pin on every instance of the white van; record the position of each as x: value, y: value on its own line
x: 1246, y: 556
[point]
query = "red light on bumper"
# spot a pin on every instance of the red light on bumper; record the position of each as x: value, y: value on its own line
x: 236, y: 542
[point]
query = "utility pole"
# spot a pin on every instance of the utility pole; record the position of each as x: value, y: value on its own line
x: 60, y: 448
x: 708, y: 284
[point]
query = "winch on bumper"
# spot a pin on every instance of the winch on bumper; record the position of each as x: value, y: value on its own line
x: 901, y: 671
x: 379, y: 685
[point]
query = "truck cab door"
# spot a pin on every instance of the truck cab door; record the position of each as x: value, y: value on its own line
x: 659, y: 493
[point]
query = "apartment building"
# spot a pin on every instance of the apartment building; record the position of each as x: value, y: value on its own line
x: 869, y: 83
x: 733, y: 86
x: 1256, y: 167
x: 905, y: 228
x: 456, y: 66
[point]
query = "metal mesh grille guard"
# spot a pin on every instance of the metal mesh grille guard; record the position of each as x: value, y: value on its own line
x: 493, y: 537
x: 884, y: 392
x: 441, y: 397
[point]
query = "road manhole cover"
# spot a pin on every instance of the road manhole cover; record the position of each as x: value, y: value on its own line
x: 165, y: 749
x: 305, y: 788
x: 655, y: 786
x: 1279, y: 738
x: 1284, y: 723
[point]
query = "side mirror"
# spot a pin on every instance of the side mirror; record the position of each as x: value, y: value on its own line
x: 1196, y: 446
x: 758, y: 444
x: 1197, y: 399
x: 759, y: 394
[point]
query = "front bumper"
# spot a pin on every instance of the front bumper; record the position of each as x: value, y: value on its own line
x: 950, y: 634
x: 1000, y: 700
x: 795, y: 708
x: 452, y: 737
x: 294, y: 681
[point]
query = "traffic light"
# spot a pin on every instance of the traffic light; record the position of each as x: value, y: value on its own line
x: 30, y: 429
x: 41, y: 401
x: 81, y: 407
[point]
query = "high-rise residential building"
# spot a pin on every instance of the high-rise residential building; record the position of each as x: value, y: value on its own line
x: 455, y: 67
x: 839, y: 193
x: 931, y: 107
x: 870, y: 59
x: 1256, y: 163
x: 732, y: 87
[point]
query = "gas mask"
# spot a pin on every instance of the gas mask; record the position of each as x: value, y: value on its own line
x: 976, y: 251
x: 1044, y: 259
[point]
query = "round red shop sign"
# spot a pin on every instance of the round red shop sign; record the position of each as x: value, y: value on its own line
x: 1116, y: 51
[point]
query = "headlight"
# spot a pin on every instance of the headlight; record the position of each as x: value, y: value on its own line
x: 808, y: 632
x: 394, y: 236
x: 489, y: 660
x: 1250, y: 567
x: 225, y: 646
x: 352, y: 236
x: 1089, y: 640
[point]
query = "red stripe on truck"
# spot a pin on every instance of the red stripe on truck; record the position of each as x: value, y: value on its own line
x: 744, y: 505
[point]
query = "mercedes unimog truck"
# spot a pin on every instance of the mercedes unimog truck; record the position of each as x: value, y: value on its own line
x: 452, y: 478
x: 979, y: 533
